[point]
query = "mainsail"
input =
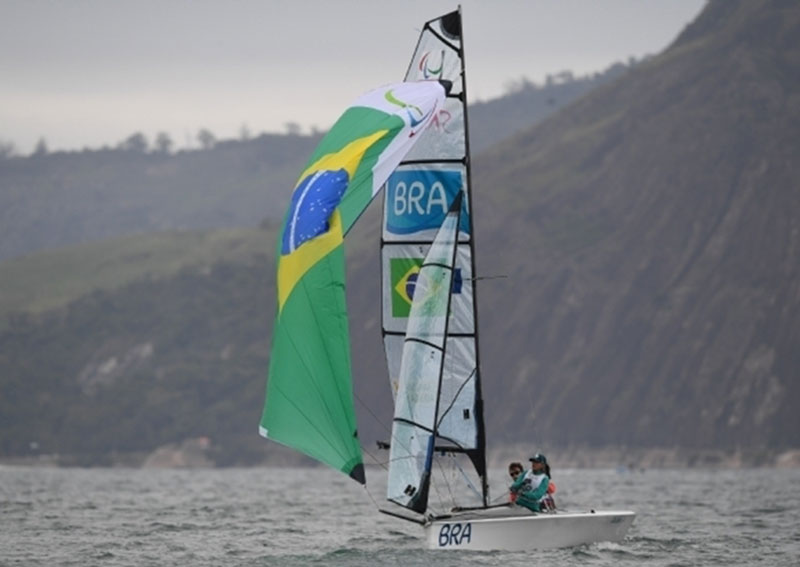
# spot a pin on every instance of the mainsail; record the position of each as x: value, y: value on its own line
x: 309, y: 400
x: 415, y: 423
x: 417, y: 198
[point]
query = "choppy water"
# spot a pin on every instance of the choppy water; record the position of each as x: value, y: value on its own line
x: 289, y: 517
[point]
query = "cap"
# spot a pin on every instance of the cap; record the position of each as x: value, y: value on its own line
x: 538, y: 458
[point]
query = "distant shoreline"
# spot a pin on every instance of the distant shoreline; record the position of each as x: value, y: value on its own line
x: 653, y: 458
x: 193, y: 454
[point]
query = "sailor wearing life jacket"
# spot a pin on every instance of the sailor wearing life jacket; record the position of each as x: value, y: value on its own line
x: 531, y: 488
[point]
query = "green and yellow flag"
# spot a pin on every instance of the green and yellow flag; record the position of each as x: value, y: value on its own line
x: 309, y: 403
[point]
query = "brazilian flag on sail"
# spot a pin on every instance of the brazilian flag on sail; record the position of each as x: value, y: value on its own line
x: 309, y: 402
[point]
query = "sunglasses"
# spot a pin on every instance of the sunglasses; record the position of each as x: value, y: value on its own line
x: 515, y: 474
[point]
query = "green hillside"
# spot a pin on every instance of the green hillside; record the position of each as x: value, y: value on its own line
x: 651, y: 244
x: 53, y: 200
x: 52, y: 279
x: 155, y: 361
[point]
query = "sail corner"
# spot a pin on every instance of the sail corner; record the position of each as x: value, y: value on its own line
x: 357, y: 473
x: 451, y: 24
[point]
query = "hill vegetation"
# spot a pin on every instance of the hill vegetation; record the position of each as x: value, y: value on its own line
x: 47, y: 201
x: 50, y: 200
x: 652, y: 235
x: 649, y: 232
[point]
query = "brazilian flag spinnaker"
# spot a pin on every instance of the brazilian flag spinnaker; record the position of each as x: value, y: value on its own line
x: 309, y: 401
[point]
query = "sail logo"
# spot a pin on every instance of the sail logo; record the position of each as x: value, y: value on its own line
x: 416, y: 117
x: 418, y: 199
x: 425, y: 66
x: 404, y: 273
x: 440, y: 121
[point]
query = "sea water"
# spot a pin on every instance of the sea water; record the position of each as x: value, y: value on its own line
x: 283, y: 516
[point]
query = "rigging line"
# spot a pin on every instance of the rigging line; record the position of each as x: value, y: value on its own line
x: 372, y: 413
x: 450, y: 482
x: 439, y: 464
x: 435, y: 485
x: 443, y: 474
x: 455, y: 397
x: 392, y: 438
x: 388, y: 429
x: 497, y: 277
x: 444, y: 480
x: 503, y: 496
x: 467, y: 480
x: 381, y: 464
x: 432, y: 484
x: 375, y: 502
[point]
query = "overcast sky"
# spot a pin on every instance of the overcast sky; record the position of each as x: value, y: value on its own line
x: 88, y: 73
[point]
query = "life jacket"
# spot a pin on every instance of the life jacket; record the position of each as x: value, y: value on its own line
x: 548, y: 503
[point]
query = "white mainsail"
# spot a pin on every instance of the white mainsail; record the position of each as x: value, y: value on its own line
x: 414, y: 427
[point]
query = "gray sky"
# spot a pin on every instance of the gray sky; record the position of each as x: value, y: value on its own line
x: 91, y: 72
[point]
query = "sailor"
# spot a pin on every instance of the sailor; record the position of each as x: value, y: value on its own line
x: 515, y: 470
x: 531, y: 488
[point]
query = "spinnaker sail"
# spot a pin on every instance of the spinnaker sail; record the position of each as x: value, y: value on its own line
x: 417, y: 199
x: 415, y: 424
x: 309, y: 399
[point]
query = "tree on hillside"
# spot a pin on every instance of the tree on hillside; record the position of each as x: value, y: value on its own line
x: 292, y: 128
x: 134, y: 143
x: 41, y: 148
x: 7, y: 149
x: 206, y: 138
x: 163, y: 143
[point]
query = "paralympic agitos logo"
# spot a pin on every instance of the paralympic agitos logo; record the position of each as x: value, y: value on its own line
x: 415, y: 114
x: 425, y: 66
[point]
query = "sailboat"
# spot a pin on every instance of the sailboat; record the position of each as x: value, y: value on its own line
x: 429, y: 314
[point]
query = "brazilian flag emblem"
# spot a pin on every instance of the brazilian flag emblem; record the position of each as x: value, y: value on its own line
x: 404, y: 273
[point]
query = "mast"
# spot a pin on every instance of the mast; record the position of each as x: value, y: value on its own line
x: 480, y: 451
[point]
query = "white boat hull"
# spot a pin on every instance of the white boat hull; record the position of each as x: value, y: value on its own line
x: 516, y: 532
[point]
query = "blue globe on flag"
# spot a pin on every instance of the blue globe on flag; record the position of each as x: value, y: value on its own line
x: 313, y: 203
